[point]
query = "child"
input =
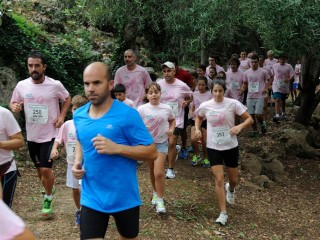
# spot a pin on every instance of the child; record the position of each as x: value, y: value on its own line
x: 202, y: 95
x: 67, y: 135
x: 119, y: 92
x: 160, y: 121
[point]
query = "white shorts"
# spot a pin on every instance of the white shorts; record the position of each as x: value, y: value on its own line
x: 72, y: 182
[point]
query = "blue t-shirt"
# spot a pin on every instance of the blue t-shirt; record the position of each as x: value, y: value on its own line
x: 110, y: 183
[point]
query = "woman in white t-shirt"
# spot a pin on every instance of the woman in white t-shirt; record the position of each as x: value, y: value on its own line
x: 10, y: 139
x: 222, y: 143
x: 160, y: 121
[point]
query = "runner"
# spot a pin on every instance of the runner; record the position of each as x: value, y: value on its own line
x: 160, y: 121
x: 245, y: 63
x: 212, y: 63
x: 106, y: 158
x: 270, y: 61
x: 222, y: 144
x: 177, y: 95
x: 67, y: 136
x: 297, y: 77
x: 119, y: 92
x: 39, y: 96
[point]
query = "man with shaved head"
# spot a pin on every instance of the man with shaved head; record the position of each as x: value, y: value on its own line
x: 111, y: 139
x: 134, y: 77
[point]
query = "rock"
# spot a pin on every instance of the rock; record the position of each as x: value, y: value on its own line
x: 8, y: 82
x: 296, y: 143
x: 263, y: 181
x: 274, y: 170
x: 252, y: 164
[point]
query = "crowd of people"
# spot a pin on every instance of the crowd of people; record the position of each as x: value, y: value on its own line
x: 131, y: 118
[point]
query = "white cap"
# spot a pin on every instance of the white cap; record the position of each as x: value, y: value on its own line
x: 168, y: 65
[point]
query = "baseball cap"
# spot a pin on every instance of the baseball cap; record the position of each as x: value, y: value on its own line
x: 168, y: 65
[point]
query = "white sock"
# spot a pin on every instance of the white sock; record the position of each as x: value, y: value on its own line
x: 160, y: 199
x: 48, y: 196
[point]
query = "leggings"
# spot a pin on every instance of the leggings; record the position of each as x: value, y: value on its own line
x: 9, y: 182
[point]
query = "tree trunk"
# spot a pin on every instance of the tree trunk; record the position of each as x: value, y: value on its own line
x: 203, y: 49
x: 310, y: 78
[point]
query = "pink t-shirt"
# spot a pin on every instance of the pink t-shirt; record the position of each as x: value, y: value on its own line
x: 257, y: 82
x: 8, y: 127
x: 41, y: 107
x: 173, y: 94
x: 156, y: 118
x: 67, y: 135
x: 128, y: 102
x: 10, y: 224
x: 199, y: 98
x: 218, y: 68
x: 269, y: 63
x: 234, y: 81
x: 245, y: 64
x: 281, y: 73
x: 135, y: 82
x: 220, y: 119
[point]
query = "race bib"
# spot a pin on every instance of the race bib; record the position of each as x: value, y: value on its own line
x: 71, y: 147
x: 235, y: 85
x: 37, y: 113
x: 175, y: 107
x: 282, y: 84
x: 221, y: 135
x: 254, y: 87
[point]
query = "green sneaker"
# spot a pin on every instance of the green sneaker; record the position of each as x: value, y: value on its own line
x: 206, y: 163
x: 47, y: 206
x: 43, y: 191
x: 195, y: 160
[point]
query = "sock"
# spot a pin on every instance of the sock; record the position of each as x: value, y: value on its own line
x: 277, y: 115
x: 155, y: 194
x: 171, y: 168
x: 224, y: 212
x: 160, y: 199
x: 48, y: 196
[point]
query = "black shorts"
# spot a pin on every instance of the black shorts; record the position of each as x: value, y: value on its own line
x: 9, y: 183
x: 40, y: 153
x: 229, y: 157
x: 177, y: 131
x: 94, y: 224
x: 203, y: 124
x: 186, y: 113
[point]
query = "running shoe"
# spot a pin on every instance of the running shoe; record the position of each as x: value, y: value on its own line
x: 78, y: 217
x: 183, y: 153
x: 222, y: 219
x: 160, y: 207
x: 178, y: 148
x: 47, y: 207
x: 276, y: 119
x: 206, y: 163
x: 230, y: 196
x: 154, y: 199
x: 170, y: 174
x: 195, y: 160
x: 190, y: 149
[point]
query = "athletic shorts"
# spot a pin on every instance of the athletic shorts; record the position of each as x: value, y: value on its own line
x: 186, y: 113
x: 203, y: 124
x: 40, y: 153
x: 279, y: 95
x: 177, y: 131
x: 229, y: 157
x: 162, y: 147
x: 295, y: 85
x: 9, y: 183
x: 71, y: 182
x: 255, y: 105
x: 94, y: 224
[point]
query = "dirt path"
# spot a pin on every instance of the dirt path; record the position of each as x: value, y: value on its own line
x: 290, y: 211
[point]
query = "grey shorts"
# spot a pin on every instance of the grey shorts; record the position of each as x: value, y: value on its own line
x: 162, y: 147
x: 255, y: 105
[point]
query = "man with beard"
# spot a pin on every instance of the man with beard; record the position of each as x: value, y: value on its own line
x: 134, y: 77
x: 39, y: 96
x: 106, y: 158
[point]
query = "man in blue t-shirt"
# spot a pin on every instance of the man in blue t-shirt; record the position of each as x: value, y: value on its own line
x: 111, y: 139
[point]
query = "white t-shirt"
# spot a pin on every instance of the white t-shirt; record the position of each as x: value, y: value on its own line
x: 8, y: 127
x: 67, y: 135
x: 199, y: 98
x: 220, y: 119
x: 257, y: 82
x: 10, y: 224
x: 173, y: 94
x: 156, y: 118
x: 282, y: 73
x: 135, y: 82
x: 128, y: 102
x: 41, y: 107
x: 234, y: 81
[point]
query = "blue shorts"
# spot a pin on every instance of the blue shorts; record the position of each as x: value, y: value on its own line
x: 162, y: 147
x: 295, y: 85
x: 279, y: 95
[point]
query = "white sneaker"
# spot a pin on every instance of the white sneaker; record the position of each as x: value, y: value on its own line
x: 170, y: 174
x: 230, y: 196
x: 222, y: 219
x: 178, y: 148
x: 154, y: 199
x: 160, y: 207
